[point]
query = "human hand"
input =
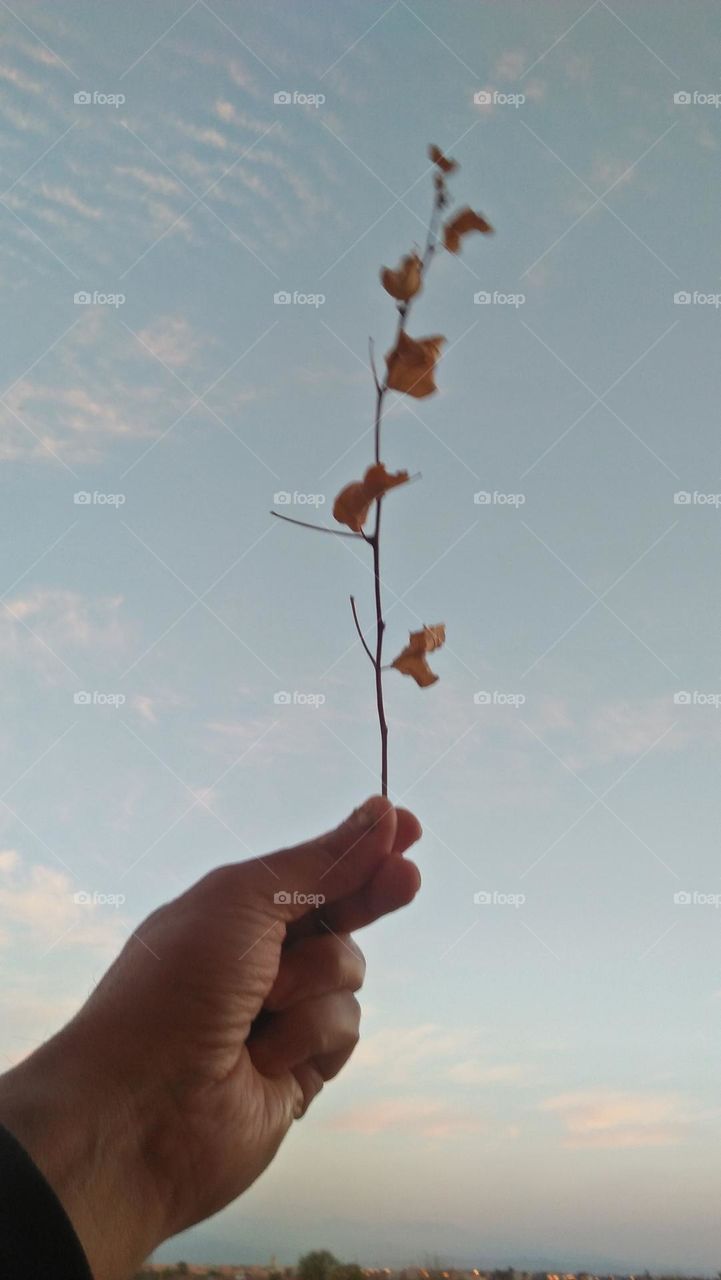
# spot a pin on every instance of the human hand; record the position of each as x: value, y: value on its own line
x: 173, y: 1087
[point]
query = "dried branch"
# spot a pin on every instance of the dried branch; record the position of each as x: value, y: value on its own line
x: 319, y: 528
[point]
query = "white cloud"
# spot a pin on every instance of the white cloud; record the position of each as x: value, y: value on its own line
x: 230, y: 114
x: 207, y: 136
x: 159, y: 183
x: 420, y: 1116
x: 19, y: 80
x: 38, y: 907
x: 69, y: 199
x: 478, y: 1073
x: 608, y: 1118
x: 47, y: 623
x: 171, y: 340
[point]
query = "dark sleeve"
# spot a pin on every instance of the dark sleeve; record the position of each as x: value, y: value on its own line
x: 36, y: 1236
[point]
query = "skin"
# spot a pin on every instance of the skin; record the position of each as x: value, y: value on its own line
x: 172, y: 1089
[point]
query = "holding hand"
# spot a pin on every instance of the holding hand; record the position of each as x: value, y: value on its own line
x: 225, y: 1013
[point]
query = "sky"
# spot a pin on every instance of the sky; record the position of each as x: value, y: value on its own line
x: 538, y: 1077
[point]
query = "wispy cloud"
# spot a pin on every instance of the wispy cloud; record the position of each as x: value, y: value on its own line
x: 606, y: 1118
x: 39, y: 908
x: 422, y: 1116
x: 50, y: 625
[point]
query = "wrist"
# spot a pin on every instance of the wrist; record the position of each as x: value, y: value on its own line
x: 86, y: 1138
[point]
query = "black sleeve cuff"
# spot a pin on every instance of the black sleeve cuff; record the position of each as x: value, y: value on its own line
x: 36, y: 1236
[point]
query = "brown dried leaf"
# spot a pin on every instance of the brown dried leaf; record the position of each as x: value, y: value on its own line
x: 405, y: 282
x: 353, y: 503
x: 445, y: 164
x: 460, y: 224
x: 411, y: 365
x: 412, y: 660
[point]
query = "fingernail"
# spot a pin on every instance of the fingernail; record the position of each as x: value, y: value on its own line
x: 369, y: 813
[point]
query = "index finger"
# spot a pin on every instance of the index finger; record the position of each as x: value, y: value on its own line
x: 336, y: 864
x: 393, y: 885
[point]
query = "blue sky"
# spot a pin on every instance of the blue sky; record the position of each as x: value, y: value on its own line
x: 537, y: 1080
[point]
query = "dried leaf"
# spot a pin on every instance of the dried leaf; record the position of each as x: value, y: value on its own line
x: 405, y: 282
x: 353, y: 503
x: 460, y: 224
x: 412, y: 660
x: 378, y: 481
x: 411, y: 365
x: 445, y: 164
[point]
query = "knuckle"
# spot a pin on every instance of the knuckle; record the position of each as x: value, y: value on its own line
x: 354, y: 1010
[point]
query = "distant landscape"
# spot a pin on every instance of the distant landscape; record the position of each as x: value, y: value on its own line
x: 322, y: 1265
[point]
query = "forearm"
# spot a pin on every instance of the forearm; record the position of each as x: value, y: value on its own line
x: 84, y: 1139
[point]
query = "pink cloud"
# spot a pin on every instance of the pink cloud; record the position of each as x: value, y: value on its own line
x: 424, y: 1116
x: 607, y: 1118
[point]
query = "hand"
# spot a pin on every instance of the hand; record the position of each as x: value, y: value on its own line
x: 173, y: 1087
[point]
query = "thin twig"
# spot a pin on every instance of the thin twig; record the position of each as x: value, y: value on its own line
x: 320, y: 528
x: 371, y: 352
x: 358, y: 629
x: 374, y: 539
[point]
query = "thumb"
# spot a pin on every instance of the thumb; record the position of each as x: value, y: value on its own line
x: 335, y: 864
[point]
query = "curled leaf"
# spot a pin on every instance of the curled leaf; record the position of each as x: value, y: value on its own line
x: 412, y: 660
x: 353, y: 503
x: 460, y: 224
x: 445, y: 164
x: 405, y: 282
x: 411, y: 365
